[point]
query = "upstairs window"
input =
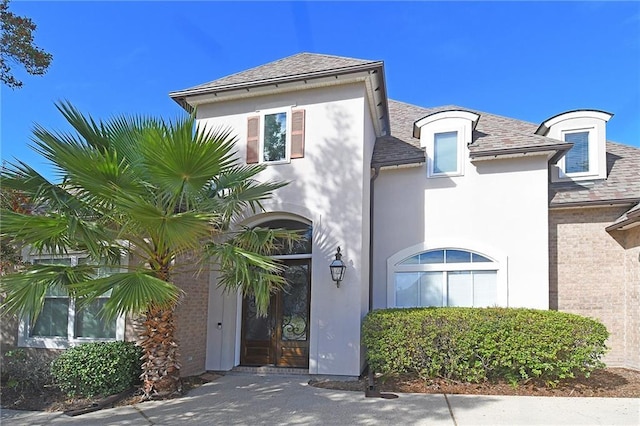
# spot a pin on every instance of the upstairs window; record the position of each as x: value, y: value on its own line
x: 577, y: 159
x: 274, y: 146
x: 275, y: 136
x: 445, y: 153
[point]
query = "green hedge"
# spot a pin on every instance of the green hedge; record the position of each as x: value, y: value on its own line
x: 98, y: 368
x: 473, y: 344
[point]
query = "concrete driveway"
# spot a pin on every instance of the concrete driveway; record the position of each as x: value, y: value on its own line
x: 242, y: 399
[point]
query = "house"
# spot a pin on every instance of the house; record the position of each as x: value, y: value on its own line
x: 441, y: 206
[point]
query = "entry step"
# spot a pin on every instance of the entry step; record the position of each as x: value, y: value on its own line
x: 268, y: 369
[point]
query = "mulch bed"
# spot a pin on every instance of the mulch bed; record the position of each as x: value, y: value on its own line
x: 609, y: 383
x: 51, y: 399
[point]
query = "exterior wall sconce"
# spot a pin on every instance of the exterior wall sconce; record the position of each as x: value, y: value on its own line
x: 337, y: 267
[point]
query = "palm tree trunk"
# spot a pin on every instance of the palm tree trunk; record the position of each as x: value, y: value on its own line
x: 160, y: 367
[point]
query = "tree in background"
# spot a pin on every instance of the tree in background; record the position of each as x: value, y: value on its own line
x: 16, y: 46
x: 10, y: 257
x: 150, y: 190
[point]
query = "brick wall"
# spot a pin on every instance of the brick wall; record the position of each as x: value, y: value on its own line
x: 191, y: 315
x: 632, y: 270
x: 596, y: 274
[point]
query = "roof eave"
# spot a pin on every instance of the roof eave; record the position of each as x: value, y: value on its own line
x: 595, y: 203
x: 410, y: 162
x: 180, y: 95
x: 554, y: 152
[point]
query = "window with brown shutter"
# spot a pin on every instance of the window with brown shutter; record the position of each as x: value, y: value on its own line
x: 253, y: 136
x: 297, y: 133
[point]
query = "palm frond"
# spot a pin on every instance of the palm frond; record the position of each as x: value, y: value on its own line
x: 41, y: 193
x: 131, y: 292
x: 181, y: 162
x: 252, y: 273
x: 25, y: 291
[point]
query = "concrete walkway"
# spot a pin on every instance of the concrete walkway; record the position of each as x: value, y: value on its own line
x: 241, y: 399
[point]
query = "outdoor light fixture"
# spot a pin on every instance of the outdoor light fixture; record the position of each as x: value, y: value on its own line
x: 337, y: 268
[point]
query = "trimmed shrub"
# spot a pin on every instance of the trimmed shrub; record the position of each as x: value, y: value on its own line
x: 476, y: 344
x: 27, y: 371
x: 103, y: 368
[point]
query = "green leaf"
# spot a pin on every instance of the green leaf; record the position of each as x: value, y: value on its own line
x: 132, y: 292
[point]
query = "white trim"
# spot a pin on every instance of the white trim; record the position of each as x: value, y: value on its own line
x: 238, y: 346
x: 292, y: 256
x: 592, y: 147
x: 596, y: 115
x: 461, y: 122
x: 444, y: 115
x: 287, y: 145
x: 460, y: 154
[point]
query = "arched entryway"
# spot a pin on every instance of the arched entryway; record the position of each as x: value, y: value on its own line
x: 282, y: 337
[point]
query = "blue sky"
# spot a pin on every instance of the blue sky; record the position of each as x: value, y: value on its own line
x: 526, y: 60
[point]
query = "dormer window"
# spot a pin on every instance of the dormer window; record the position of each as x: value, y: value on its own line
x: 445, y: 136
x: 586, y: 131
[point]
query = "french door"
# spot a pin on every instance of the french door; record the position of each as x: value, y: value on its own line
x: 282, y: 337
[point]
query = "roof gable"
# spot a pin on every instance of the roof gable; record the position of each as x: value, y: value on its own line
x: 299, y: 65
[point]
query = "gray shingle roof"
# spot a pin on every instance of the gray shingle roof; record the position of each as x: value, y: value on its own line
x: 299, y: 65
x: 622, y: 183
x: 630, y: 217
x: 493, y: 134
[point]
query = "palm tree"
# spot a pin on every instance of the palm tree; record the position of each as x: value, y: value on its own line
x: 150, y: 189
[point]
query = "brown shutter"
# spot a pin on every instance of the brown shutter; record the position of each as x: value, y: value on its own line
x: 297, y: 133
x: 253, y: 136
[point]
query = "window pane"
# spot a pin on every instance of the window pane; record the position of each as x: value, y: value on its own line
x: 431, y: 289
x: 435, y: 256
x: 458, y: 256
x: 445, y: 152
x: 577, y: 159
x: 407, y: 285
x: 88, y: 322
x: 53, y: 319
x: 414, y: 260
x: 484, y: 289
x: 56, y: 291
x: 476, y: 258
x: 275, y: 136
x: 460, y: 289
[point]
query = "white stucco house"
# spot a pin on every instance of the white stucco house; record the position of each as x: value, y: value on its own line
x: 442, y: 206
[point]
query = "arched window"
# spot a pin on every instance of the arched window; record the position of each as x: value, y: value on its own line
x: 445, y: 277
x: 303, y: 246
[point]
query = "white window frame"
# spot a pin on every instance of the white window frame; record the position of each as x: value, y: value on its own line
x: 499, y: 264
x: 60, y: 342
x: 460, y: 153
x: 460, y: 121
x: 263, y: 114
x: 593, y: 154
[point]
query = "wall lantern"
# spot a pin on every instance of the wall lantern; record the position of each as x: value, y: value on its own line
x: 337, y: 268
